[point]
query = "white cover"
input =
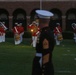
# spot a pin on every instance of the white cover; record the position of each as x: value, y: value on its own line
x: 44, y: 14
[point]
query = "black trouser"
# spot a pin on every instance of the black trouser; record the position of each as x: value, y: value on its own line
x: 37, y: 70
x: 49, y: 69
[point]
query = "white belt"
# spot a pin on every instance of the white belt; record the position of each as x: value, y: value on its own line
x: 39, y: 54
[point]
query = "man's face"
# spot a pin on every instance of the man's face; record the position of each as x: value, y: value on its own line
x: 45, y: 20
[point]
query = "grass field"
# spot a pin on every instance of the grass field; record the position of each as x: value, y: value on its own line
x: 17, y: 60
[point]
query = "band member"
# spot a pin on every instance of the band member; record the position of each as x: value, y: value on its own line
x: 35, y: 31
x: 3, y: 29
x: 58, y: 34
x: 18, y: 33
x: 42, y: 63
x: 74, y: 30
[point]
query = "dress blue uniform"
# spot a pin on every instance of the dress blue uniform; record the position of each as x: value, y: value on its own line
x: 42, y: 63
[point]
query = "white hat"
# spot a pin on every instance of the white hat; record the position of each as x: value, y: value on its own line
x: 44, y: 14
x: 16, y: 23
x: 58, y: 23
x: 34, y: 22
x: 20, y: 24
x: 3, y: 22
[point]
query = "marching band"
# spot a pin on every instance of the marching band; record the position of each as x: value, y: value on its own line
x: 18, y: 31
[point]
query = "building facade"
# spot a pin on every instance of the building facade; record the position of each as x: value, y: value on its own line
x: 12, y: 11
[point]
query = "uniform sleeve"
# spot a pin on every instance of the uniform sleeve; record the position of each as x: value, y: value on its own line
x: 55, y: 31
x: 48, y: 42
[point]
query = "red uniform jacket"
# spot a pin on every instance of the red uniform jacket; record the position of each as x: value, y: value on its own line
x: 18, y: 29
x: 57, y: 30
x: 2, y: 30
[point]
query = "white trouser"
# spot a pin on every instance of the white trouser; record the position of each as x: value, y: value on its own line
x: 21, y: 38
x: 34, y: 39
x: 16, y: 41
x: 3, y: 37
x: 0, y: 38
x: 57, y: 41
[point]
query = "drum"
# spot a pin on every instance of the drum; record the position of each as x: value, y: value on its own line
x: 17, y: 37
x: 59, y: 37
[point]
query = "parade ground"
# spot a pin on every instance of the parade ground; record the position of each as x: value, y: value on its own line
x: 17, y: 59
